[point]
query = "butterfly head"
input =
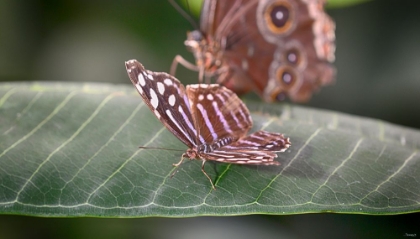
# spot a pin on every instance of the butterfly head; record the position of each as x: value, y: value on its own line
x: 194, y: 40
x: 191, y: 153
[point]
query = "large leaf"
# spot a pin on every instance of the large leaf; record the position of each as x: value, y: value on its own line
x: 72, y: 150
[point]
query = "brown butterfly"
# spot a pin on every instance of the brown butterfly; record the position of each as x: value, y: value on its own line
x: 278, y: 48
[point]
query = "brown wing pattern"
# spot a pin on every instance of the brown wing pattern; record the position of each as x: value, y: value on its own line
x: 166, y: 98
x: 253, y: 48
x: 258, y: 148
x: 261, y: 141
x: 218, y: 111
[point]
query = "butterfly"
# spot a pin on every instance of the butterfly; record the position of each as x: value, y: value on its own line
x: 278, y: 48
x: 210, y: 119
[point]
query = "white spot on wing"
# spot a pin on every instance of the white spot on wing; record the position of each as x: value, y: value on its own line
x: 171, y: 100
x: 141, y: 79
x: 210, y: 97
x: 200, y: 97
x: 153, y: 99
x: 168, y: 82
x: 161, y: 88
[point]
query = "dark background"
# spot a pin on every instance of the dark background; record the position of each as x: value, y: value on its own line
x: 378, y: 49
x: 378, y: 63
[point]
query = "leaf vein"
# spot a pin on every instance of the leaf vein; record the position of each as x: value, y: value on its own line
x: 339, y: 167
x: 75, y: 134
x: 290, y: 162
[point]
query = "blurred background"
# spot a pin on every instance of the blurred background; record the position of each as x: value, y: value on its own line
x: 378, y: 65
x: 378, y: 48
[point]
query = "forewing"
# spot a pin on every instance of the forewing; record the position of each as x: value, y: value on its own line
x: 166, y: 98
x: 218, y: 112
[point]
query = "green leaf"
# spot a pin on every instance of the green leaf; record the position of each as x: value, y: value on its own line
x: 344, y: 3
x: 72, y: 150
x: 194, y: 6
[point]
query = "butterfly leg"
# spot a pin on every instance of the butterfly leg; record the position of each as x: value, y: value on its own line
x: 180, y: 60
x: 190, y: 66
x: 176, y: 165
x: 202, y: 170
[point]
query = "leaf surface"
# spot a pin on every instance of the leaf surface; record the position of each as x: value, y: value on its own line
x: 72, y: 150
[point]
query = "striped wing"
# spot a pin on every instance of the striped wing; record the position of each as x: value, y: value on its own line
x: 261, y: 141
x: 219, y: 112
x: 167, y: 99
x: 258, y: 148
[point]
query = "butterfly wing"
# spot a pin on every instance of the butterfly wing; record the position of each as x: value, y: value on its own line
x: 258, y: 148
x: 213, y: 12
x: 304, y: 49
x: 234, y: 30
x: 218, y: 111
x: 261, y: 141
x: 166, y: 98
x: 277, y: 48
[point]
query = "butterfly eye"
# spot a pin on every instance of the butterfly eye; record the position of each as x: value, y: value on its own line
x: 278, y: 17
x: 193, y: 40
x: 195, y: 36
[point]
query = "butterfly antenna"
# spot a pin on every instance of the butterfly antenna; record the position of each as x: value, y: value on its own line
x: 143, y: 147
x: 184, y: 13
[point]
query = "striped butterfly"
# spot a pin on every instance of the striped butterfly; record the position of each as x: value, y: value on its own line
x: 210, y: 119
